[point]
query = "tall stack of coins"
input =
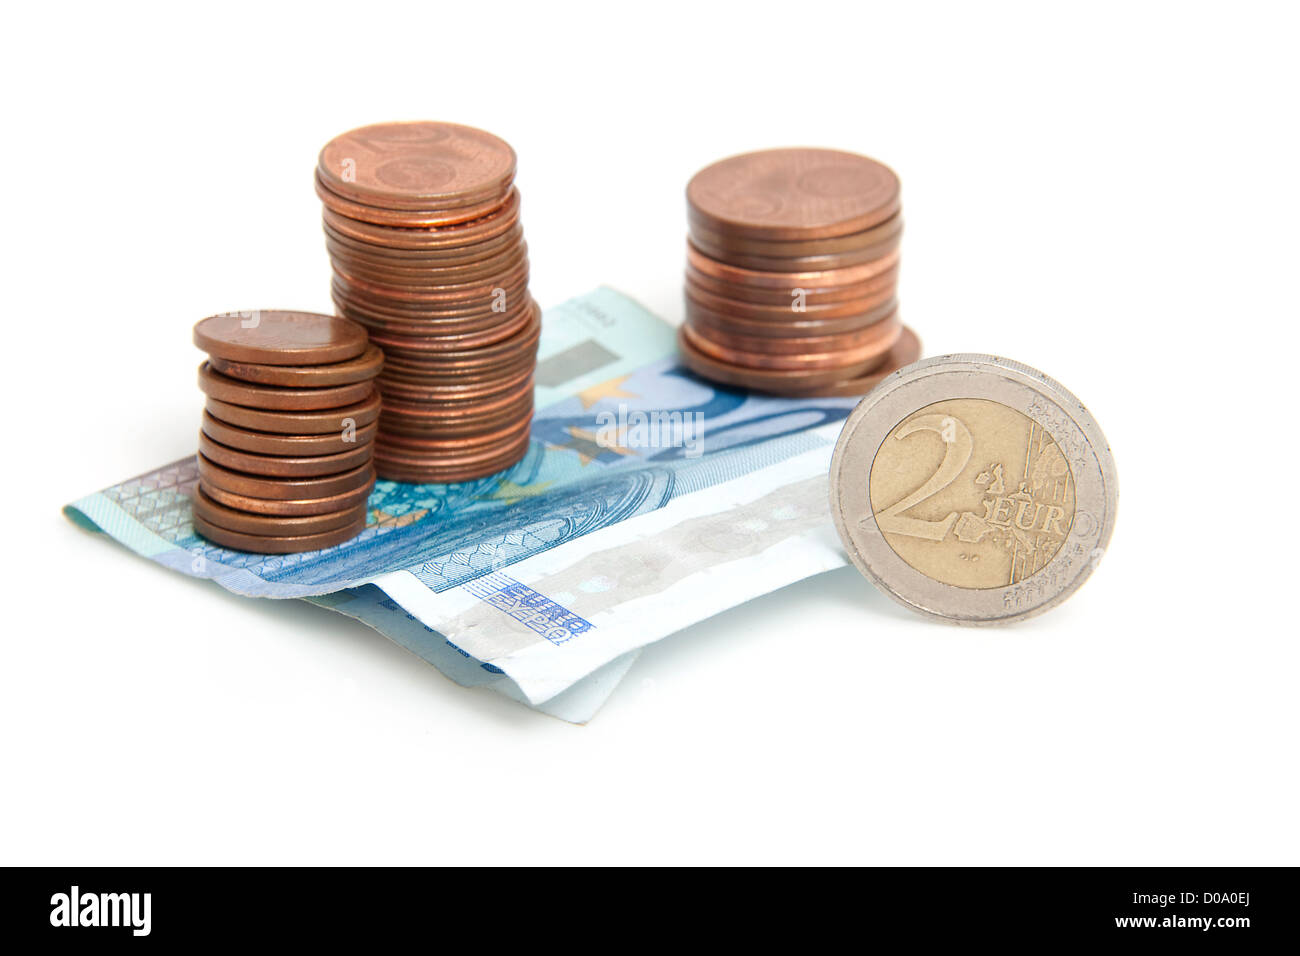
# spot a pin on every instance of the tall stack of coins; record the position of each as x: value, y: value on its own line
x: 791, y: 274
x: 288, y: 430
x: 422, y: 229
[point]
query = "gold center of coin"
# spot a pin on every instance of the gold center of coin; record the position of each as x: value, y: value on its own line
x: 972, y: 493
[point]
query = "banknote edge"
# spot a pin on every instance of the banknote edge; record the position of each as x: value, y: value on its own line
x: 101, y: 515
x: 577, y: 704
x: 405, y: 589
x: 751, y: 586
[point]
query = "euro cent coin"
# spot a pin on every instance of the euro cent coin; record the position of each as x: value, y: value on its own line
x: 277, y: 544
x: 360, y: 369
x: 421, y: 165
x: 273, y: 337
x: 973, y: 489
x: 793, y: 194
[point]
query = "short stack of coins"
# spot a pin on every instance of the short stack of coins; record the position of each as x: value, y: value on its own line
x: 288, y: 430
x: 792, y: 273
x: 422, y: 228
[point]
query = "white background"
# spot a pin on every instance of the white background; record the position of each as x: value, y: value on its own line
x: 1108, y: 194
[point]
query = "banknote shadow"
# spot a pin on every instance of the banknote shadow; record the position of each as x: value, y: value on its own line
x: 371, y: 648
x: 834, y: 594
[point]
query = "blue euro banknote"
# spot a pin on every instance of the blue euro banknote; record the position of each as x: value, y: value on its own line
x: 648, y: 499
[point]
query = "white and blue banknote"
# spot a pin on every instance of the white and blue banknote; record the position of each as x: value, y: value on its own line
x: 649, y: 500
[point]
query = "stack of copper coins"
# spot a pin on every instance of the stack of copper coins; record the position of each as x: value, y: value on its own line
x: 422, y: 229
x: 288, y: 430
x: 792, y: 273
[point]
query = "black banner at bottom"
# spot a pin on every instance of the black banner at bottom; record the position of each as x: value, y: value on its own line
x: 1220, y: 907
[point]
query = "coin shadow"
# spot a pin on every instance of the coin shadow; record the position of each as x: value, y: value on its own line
x: 846, y: 588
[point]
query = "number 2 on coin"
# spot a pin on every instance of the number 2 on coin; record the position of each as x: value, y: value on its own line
x: 957, y: 451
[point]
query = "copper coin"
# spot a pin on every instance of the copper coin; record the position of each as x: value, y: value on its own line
x: 475, y: 423
x: 786, y: 280
x: 424, y: 328
x: 329, y: 504
x: 449, y: 315
x: 436, y: 271
x: 828, y: 335
x: 443, y: 389
x: 761, y: 379
x: 483, y: 287
x: 470, y: 421
x: 217, y: 478
x: 803, y: 264
x: 290, y: 446
x: 446, y: 431
x: 849, y: 348
x: 359, y: 306
x: 438, y: 470
x: 882, y: 336
x: 455, y: 399
x: 283, y: 466
x: 452, y: 381
x: 249, y: 523
x: 466, y: 375
x: 784, y: 295
x: 443, y: 392
x: 360, y: 369
x: 456, y: 290
x: 337, y: 242
x: 433, y: 237
x: 416, y: 218
x: 444, y: 410
x: 492, y: 300
x: 411, y: 271
x: 404, y: 262
x: 707, y: 238
x: 415, y: 206
x: 399, y: 344
x: 455, y: 378
x: 297, y: 422
x: 432, y: 353
x: 905, y: 351
x: 453, y: 428
x: 509, y: 346
x: 785, y: 321
x: 782, y: 382
x: 429, y: 164
x: 361, y: 272
x: 272, y: 337
x: 506, y: 267
x: 275, y: 398
x: 788, y: 306
x: 793, y: 194
x: 420, y: 375
x: 417, y: 417
x: 479, y: 429
x: 271, y: 544
x: 443, y: 453
x: 507, y: 329
x: 398, y: 242
x: 458, y: 446
x: 432, y: 275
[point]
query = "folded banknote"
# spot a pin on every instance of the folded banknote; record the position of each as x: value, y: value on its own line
x: 649, y: 500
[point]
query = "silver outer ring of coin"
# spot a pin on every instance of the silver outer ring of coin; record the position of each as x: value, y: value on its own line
x: 1039, y: 398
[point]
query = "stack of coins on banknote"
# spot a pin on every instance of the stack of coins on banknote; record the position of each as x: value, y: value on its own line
x: 423, y: 233
x: 792, y: 273
x: 288, y: 430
